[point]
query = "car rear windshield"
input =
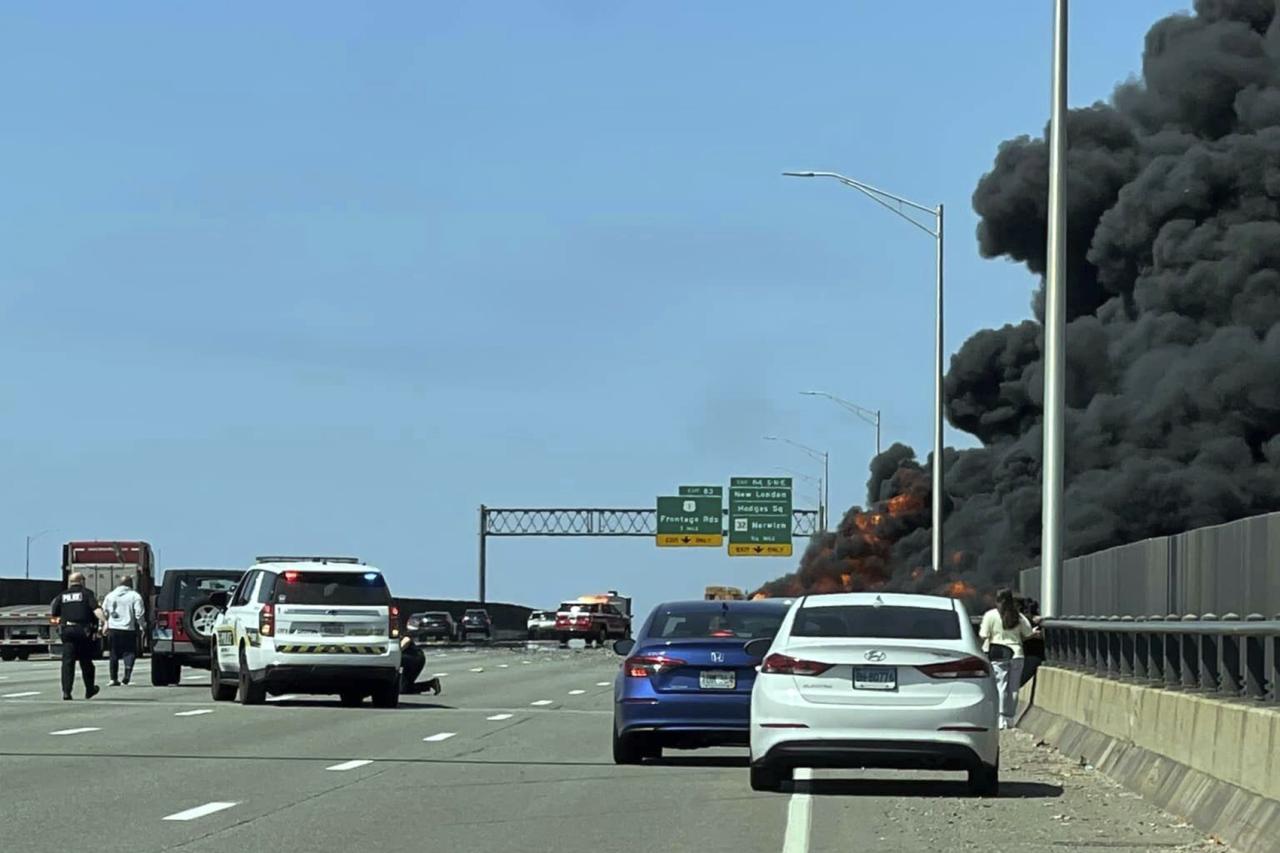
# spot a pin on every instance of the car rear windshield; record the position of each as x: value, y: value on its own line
x: 352, y: 588
x: 678, y: 623
x: 885, y: 622
x: 435, y: 617
x: 192, y: 588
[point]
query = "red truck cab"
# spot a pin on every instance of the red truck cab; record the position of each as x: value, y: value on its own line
x: 594, y: 618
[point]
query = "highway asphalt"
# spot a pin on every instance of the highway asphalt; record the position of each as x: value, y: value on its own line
x: 513, y: 756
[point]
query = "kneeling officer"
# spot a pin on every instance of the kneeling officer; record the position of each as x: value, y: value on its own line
x: 79, y: 616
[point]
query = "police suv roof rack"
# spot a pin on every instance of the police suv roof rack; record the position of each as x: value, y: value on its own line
x: 355, y: 561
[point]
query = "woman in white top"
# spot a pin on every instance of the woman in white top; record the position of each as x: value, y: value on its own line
x: 1002, y: 632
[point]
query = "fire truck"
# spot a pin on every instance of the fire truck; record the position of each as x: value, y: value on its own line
x: 595, y: 618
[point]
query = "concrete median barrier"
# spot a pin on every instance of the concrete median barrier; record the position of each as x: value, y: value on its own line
x: 1214, y: 761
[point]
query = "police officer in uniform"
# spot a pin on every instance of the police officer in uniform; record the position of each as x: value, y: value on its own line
x: 79, y: 616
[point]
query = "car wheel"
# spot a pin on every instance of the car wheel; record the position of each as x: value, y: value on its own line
x: 198, y: 621
x: 160, y: 667
x: 8, y: 654
x: 386, y: 695
x: 626, y: 749
x: 766, y: 778
x: 249, y: 693
x: 984, y: 780
x: 602, y: 637
x: 217, y: 689
x: 23, y: 654
x: 351, y: 698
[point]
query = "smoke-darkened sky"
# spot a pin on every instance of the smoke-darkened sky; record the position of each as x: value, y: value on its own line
x: 1173, y: 342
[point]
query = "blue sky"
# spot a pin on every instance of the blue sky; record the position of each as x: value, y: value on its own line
x: 324, y: 277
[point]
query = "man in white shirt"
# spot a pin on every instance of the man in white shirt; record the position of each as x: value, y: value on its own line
x: 125, y: 617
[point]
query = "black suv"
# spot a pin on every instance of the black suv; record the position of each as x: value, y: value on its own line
x: 432, y: 625
x: 184, y: 618
x: 475, y: 621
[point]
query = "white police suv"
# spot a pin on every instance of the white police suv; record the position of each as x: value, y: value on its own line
x: 307, y: 625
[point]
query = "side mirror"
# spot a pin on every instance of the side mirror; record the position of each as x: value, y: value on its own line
x: 623, y: 647
x: 219, y: 600
x: 758, y: 647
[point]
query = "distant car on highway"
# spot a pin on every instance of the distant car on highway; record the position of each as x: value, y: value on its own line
x: 687, y: 677
x: 182, y: 634
x: 475, y: 621
x: 874, y: 680
x: 307, y: 625
x: 541, y: 623
x: 431, y: 625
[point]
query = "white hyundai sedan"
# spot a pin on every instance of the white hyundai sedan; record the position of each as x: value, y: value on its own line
x: 874, y: 680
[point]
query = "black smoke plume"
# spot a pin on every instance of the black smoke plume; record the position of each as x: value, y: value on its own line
x: 1173, y: 341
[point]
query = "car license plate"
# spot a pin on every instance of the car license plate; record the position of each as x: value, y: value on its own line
x: 875, y: 678
x: 331, y: 630
x: 717, y: 679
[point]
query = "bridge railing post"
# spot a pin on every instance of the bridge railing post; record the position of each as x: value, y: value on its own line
x: 1273, y: 665
x: 1141, y: 652
x: 1112, y: 638
x: 1125, y: 640
x: 1189, y: 656
x: 1254, y: 669
x: 1155, y: 653
x: 1171, y: 644
x: 1229, y: 660
x: 1207, y: 658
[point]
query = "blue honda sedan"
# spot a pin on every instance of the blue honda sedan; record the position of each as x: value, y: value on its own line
x: 686, y: 680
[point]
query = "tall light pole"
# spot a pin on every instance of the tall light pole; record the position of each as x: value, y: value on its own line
x: 896, y: 204
x: 825, y: 459
x: 808, y: 478
x: 871, y: 417
x: 31, y: 537
x: 1055, y: 329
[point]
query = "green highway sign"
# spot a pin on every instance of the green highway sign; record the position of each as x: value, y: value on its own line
x: 692, y: 519
x: 760, y: 517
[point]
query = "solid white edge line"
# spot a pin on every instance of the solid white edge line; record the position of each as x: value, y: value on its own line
x: 79, y: 731
x: 436, y: 738
x: 799, y: 815
x: 197, y: 712
x: 199, y: 811
x: 351, y: 765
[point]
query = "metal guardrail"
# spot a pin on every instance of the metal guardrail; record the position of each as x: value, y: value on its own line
x: 1229, y: 656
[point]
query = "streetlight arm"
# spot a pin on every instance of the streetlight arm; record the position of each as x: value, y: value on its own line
x: 879, y: 196
x: 815, y: 454
x: 867, y: 415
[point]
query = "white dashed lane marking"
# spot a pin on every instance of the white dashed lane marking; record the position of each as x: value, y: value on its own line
x: 79, y: 731
x: 477, y: 669
x: 503, y: 665
x: 799, y: 816
x: 194, y: 713
x: 199, y: 811
x: 497, y: 717
x: 439, y: 674
x: 576, y: 692
x: 20, y: 695
x: 351, y: 765
x: 285, y: 698
x: 436, y: 738
x: 541, y: 702
x: 603, y: 683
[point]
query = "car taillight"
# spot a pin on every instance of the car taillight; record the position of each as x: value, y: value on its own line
x: 964, y: 668
x: 266, y: 620
x: 393, y: 622
x: 780, y: 664
x: 642, y: 666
